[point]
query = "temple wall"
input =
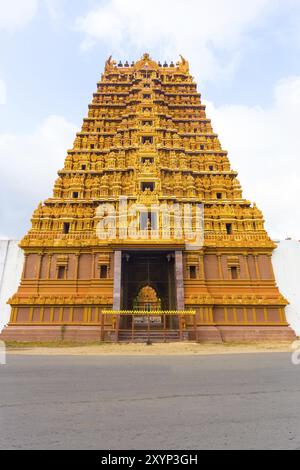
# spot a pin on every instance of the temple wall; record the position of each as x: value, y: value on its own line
x: 286, y: 263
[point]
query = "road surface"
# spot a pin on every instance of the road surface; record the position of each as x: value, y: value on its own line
x: 242, y: 401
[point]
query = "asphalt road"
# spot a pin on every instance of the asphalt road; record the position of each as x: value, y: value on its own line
x: 204, y: 402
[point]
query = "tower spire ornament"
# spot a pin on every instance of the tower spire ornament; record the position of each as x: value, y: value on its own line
x: 147, y: 155
x: 183, y: 65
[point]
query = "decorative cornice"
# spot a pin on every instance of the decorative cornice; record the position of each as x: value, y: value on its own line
x: 236, y: 300
x: 60, y: 300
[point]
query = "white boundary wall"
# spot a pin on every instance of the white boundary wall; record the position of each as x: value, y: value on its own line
x: 11, y: 265
x: 286, y: 262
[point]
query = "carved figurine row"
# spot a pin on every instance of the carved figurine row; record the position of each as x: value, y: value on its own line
x: 132, y: 159
x: 85, y: 211
x: 90, y: 185
x: 162, y: 139
x: 127, y: 98
x: 178, y: 113
x: 137, y: 123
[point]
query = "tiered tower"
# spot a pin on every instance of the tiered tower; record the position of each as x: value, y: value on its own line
x: 147, y: 139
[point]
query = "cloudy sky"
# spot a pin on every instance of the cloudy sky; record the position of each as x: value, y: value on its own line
x: 244, y: 56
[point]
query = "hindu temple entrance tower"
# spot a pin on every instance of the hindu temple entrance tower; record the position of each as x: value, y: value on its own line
x: 108, y: 241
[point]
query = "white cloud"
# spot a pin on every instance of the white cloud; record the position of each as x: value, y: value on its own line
x: 28, y: 169
x: 15, y: 14
x: 2, y: 92
x: 264, y: 147
x: 54, y: 8
x: 199, y: 29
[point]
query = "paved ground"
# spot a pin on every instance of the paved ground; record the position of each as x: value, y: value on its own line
x: 247, y: 401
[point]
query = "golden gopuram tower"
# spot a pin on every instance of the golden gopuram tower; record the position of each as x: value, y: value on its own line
x: 147, y: 234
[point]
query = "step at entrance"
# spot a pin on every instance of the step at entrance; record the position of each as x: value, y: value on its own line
x: 144, y: 336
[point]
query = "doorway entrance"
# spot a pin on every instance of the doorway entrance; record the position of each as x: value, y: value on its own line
x: 148, y: 284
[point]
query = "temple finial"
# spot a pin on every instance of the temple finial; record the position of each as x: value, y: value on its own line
x: 183, y: 65
x: 109, y: 64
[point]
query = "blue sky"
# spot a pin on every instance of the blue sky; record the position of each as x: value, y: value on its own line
x: 245, y: 58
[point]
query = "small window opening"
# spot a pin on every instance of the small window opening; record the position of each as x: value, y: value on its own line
x: 234, y: 272
x: 148, y: 185
x: 61, y: 272
x: 75, y: 195
x: 103, y: 272
x: 83, y: 167
x: 147, y: 160
x: 92, y: 146
x: 147, y: 140
x: 229, y: 229
x: 211, y: 168
x: 219, y: 195
x: 143, y: 220
x: 193, y: 272
x: 66, y: 228
x: 148, y: 220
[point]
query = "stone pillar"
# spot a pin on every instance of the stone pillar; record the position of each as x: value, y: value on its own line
x: 117, y: 280
x: 179, y: 280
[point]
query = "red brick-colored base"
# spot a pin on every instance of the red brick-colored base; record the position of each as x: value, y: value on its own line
x: 225, y: 334
x: 216, y: 334
x: 55, y: 333
x: 252, y: 333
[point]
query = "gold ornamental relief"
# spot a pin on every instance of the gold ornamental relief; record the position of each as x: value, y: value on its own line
x: 148, y: 197
x: 146, y: 63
